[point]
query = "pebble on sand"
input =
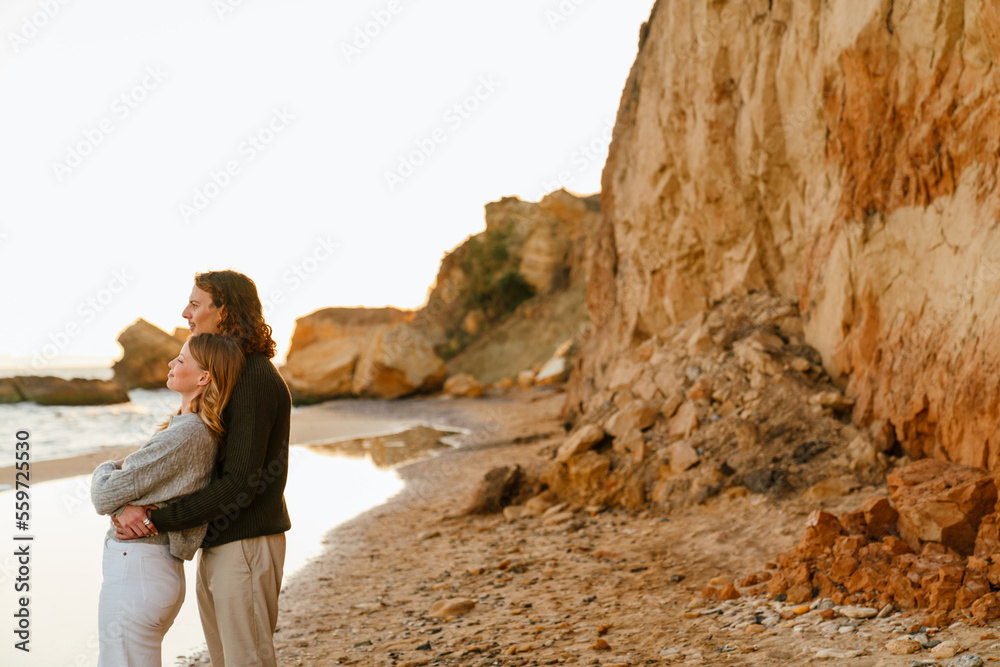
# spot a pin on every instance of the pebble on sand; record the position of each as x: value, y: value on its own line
x: 947, y: 649
x: 903, y: 646
x: 451, y: 607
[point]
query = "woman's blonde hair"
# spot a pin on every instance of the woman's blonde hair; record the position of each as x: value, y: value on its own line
x: 222, y: 357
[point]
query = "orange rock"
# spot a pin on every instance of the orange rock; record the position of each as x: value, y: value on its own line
x: 849, y: 545
x: 822, y: 530
x: 854, y: 522
x: 986, y: 609
x: 880, y: 517
x: 843, y: 568
x: 941, y: 502
x: 988, y: 537
x: 729, y: 592
x: 710, y: 592
x: 778, y: 584
x: 799, y: 593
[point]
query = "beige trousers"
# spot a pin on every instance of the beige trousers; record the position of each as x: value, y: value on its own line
x: 238, y: 585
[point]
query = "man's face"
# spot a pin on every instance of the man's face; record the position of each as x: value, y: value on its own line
x: 201, y: 313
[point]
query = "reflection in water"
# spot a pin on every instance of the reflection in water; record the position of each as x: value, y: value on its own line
x: 65, y: 574
x: 388, y: 450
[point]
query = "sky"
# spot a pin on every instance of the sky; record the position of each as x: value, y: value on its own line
x: 333, y: 152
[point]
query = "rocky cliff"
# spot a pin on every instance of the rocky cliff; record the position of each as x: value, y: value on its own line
x: 840, y: 155
x: 504, y: 302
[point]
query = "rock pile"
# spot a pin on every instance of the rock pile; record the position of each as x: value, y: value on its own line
x: 933, y: 545
x: 731, y: 399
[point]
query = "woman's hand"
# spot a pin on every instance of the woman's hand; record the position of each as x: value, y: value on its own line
x: 134, y: 522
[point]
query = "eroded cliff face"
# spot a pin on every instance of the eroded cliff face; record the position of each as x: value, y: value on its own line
x: 841, y: 154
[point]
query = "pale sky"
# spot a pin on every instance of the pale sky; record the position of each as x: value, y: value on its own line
x: 333, y: 152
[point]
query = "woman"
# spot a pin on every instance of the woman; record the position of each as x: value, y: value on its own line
x: 143, y: 584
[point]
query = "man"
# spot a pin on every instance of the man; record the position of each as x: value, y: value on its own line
x: 242, y: 559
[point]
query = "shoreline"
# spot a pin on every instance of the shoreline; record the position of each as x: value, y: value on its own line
x: 599, y: 586
x: 313, y: 424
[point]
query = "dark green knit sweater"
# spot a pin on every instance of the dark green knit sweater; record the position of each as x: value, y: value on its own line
x: 245, y: 497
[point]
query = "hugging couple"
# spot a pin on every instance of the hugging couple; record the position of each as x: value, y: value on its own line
x: 212, y: 477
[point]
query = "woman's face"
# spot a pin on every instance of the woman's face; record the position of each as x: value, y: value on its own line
x: 201, y: 313
x: 185, y: 377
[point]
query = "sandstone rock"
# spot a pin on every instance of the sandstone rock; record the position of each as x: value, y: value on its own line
x: 746, y: 433
x: 858, y: 612
x: 506, y: 383
x: 497, y: 488
x: 701, y: 389
x: 623, y: 374
x: 903, y: 646
x: 587, y: 471
x: 9, y: 392
x: 831, y: 399
x: 755, y: 353
x: 822, y: 531
x: 941, y: 502
x: 48, y: 390
x: 580, y: 441
x: 462, y: 384
x: 946, y: 649
x: 827, y: 179
x: 323, y: 370
x: 832, y: 486
x: 512, y: 513
x: 682, y: 456
x: 880, y: 517
x: 538, y: 505
x: 147, y: 350
x: 451, y: 607
x: 636, y: 415
x: 646, y: 389
x: 631, y: 441
x: 670, y: 404
x: 556, y: 369
x: 967, y: 660
x: 986, y: 609
x: 553, y: 371
x: 685, y: 421
x: 397, y: 361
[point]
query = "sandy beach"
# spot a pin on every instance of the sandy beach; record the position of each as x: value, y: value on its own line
x: 579, y: 586
x: 575, y: 586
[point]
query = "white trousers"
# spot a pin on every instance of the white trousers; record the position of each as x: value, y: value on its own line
x: 142, y: 592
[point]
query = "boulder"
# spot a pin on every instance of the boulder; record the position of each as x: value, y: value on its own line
x: 47, y: 390
x: 9, y: 392
x: 941, y: 502
x: 462, y: 384
x: 496, y: 490
x: 682, y: 456
x: 579, y: 441
x: 326, y: 346
x: 685, y: 421
x: 635, y: 415
x: 397, y: 361
x: 556, y: 369
x: 323, y: 370
x: 147, y: 350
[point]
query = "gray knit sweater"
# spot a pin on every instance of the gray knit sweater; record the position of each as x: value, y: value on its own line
x: 172, y: 464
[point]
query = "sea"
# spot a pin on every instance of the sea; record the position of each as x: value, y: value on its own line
x: 67, y: 536
x: 59, y: 431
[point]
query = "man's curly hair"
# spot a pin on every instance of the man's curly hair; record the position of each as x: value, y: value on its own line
x: 241, y: 314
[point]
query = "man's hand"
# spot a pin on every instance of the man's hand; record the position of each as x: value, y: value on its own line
x: 133, y: 522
